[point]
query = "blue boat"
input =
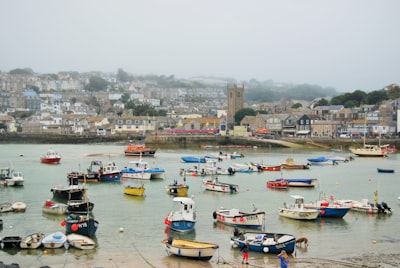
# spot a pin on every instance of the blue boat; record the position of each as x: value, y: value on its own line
x: 329, y: 210
x: 183, y: 220
x: 307, y: 182
x: 81, y: 224
x: 192, y: 159
x: 383, y: 170
x: 322, y: 160
x: 264, y: 242
x: 141, y: 170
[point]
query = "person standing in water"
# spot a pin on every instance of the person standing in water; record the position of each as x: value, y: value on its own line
x: 284, y: 259
x: 245, y: 250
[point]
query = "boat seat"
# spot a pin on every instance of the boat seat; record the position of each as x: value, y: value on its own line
x: 269, y: 241
x: 285, y: 238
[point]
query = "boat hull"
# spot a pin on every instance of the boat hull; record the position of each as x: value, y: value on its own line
x: 55, y: 240
x: 190, y: 249
x: 382, y: 170
x: 299, y: 214
x: 81, y: 225
x: 265, y: 242
x: 234, y: 217
x: 177, y: 190
x: 32, y: 241
x: 301, y: 182
x: 210, y: 185
x: 11, y: 242
x: 136, y: 191
x: 54, y: 208
x: 81, y: 241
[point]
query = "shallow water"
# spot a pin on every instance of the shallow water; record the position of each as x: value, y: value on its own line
x: 142, y: 218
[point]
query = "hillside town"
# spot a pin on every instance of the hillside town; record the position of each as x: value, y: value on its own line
x: 44, y: 104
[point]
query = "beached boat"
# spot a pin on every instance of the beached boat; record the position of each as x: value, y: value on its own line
x: 81, y: 224
x: 302, y: 182
x: 51, y: 157
x: 321, y: 161
x: 264, y: 242
x: 130, y: 189
x: 81, y: 241
x: 217, y: 186
x: 297, y: 211
x: 139, y: 150
x: 54, y: 240
x: 190, y: 248
x: 178, y: 189
x: 10, y: 242
x: 51, y: 207
x: 290, y: 164
x: 32, y: 241
x: 141, y: 170
x: 183, y: 220
x: 278, y: 184
x: 234, y: 217
x: 385, y: 170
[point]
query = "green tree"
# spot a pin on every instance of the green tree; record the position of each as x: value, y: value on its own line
x: 123, y: 76
x: 97, y: 83
x: 394, y: 92
x: 239, y: 115
x: 376, y: 96
x: 296, y: 105
x: 125, y: 98
x: 322, y: 102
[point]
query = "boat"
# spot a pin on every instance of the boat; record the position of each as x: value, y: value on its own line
x: 217, y: 186
x: 81, y: 241
x: 297, y: 211
x: 110, y: 173
x: 19, y: 206
x: 6, y: 207
x: 16, y: 178
x: 32, y: 241
x: 10, y: 242
x: 262, y: 167
x: 183, y: 220
x: 365, y: 206
x: 54, y: 240
x: 1, y: 224
x: 193, y: 159
x: 190, y: 248
x: 322, y: 160
x: 51, y: 207
x: 328, y: 209
x: 134, y: 190
x: 80, y: 224
x: 51, y: 157
x: 234, y: 217
x: 301, y: 182
x: 178, y: 189
x: 244, y: 168
x: 264, y: 242
x: 289, y: 164
x: 79, y: 206
x: 140, y: 170
x: 139, y: 150
x: 278, y: 184
x: 369, y: 150
x: 385, y: 170
x: 73, y: 191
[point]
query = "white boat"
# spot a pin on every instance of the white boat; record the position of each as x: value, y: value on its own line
x: 32, y: 241
x: 19, y: 207
x: 322, y: 161
x: 182, y: 220
x: 6, y: 207
x: 81, y: 241
x: 51, y: 207
x: 370, y: 150
x: 141, y: 170
x: 234, y: 217
x: 190, y: 248
x: 54, y: 240
x: 365, y: 206
x: 16, y: 179
x: 297, y: 211
x: 217, y: 186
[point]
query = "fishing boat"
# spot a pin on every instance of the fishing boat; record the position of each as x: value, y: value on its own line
x: 110, y: 173
x: 262, y: 167
x: 80, y: 206
x: 264, y: 242
x: 139, y: 150
x: 81, y: 224
x: 51, y: 157
x: 32, y: 241
x: 72, y: 191
x: 183, y: 220
x: 81, y: 241
x: 141, y: 170
x: 328, y: 209
x: 134, y: 190
x: 190, y: 249
x: 217, y: 186
x: 178, y: 189
x: 54, y: 240
x: 290, y: 164
x: 11, y: 177
x: 365, y: 206
x: 385, y: 170
x: 10, y: 242
x: 97, y: 172
x: 297, y: 211
x: 302, y: 182
x: 278, y: 184
x: 321, y: 161
x: 51, y: 207
x: 235, y: 217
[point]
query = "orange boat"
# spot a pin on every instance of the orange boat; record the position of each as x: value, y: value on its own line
x: 139, y: 150
x: 261, y: 167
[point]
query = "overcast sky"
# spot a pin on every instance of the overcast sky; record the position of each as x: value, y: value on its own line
x: 345, y: 44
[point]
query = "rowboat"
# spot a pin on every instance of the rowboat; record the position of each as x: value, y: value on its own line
x: 321, y: 161
x: 32, y: 241
x: 383, y: 170
x: 217, y: 186
x: 81, y: 241
x: 234, y: 217
x: 134, y: 190
x: 51, y: 207
x: 189, y: 248
x: 54, y: 240
x: 307, y: 182
x: 278, y: 184
x: 10, y: 241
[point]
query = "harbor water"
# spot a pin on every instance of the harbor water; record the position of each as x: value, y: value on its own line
x: 134, y: 226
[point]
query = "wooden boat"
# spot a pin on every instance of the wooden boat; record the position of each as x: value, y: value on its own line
x: 19, y: 207
x: 177, y: 189
x: 32, y: 241
x: 51, y: 207
x: 81, y: 224
x: 383, y: 170
x: 6, y: 207
x: 320, y: 161
x: 54, y: 240
x: 264, y: 242
x: 81, y: 241
x: 10, y: 242
x: 190, y: 248
x: 51, y: 157
x: 262, y: 167
x: 328, y: 209
x: 141, y: 170
x: 139, y: 150
x: 217, y: 186
x: 278, y: 184
x: 289, y: 164
x: 300, y: 182
x: 297, y: 211
x: 234, y: 217
x: 134, y: 190
x: 183, y: 220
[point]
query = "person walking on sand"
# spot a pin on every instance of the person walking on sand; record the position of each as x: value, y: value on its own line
x: 284, y: 259
x: 245, y: 250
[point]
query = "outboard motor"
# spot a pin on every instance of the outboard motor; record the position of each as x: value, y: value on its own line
x: 380, y: 208
x: 235, y: 232
x: 386, y: 207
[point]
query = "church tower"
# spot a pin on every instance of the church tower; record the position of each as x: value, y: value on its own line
x: 235, y: 102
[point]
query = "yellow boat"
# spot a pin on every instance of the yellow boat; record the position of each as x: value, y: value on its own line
x: 177, y: 189
x: 134, y: 190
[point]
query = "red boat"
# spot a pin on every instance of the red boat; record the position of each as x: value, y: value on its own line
x: 51, y: 157
x: 265, y: 167
x: 139, y: 150
x: 278, y: 184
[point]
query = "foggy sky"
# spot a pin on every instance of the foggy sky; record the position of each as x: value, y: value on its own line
x: 345, y: 44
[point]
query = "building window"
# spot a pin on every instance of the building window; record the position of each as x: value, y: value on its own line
x: 129, y: 122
